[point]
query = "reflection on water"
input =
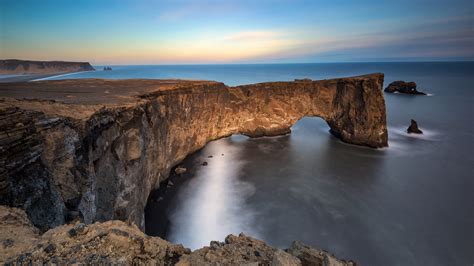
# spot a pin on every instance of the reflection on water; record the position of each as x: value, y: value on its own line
x: 379, y: 207
x: 217, y: 205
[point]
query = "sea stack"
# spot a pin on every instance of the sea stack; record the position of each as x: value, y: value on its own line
x: 403, y: 87
x: 413, y: 128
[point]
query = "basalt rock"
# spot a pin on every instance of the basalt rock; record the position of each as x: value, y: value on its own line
x: 117, y: 243
x: 403, y: 87
x: 69, y: 150
x: 413, y: 128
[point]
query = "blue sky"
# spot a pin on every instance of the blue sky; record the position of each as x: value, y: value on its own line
x: 267, y: 31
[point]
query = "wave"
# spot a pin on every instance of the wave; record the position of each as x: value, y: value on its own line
x: 61, y: 75
x: 401, y: 132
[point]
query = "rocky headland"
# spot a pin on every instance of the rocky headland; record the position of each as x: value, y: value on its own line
x: 14, y: 66
x: 93, y: 150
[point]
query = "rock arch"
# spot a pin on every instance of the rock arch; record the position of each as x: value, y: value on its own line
x: 102, y: 164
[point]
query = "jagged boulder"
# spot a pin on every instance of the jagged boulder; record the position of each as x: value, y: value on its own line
x: 403, y: 87
x: 413, y: 128
x: 315, y: 257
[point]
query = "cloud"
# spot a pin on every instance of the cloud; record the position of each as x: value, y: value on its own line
x: 245, y: 36
x: 438, y: 38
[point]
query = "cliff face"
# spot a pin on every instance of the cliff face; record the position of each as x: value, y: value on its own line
x: 13, y: 66
x: 67, y: 157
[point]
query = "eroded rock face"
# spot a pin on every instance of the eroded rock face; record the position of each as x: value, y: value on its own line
x: 69, y: 158
x: 117, y: 243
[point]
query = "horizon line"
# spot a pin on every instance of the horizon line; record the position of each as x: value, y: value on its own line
x: 289, y: 63
x: 254, y: 63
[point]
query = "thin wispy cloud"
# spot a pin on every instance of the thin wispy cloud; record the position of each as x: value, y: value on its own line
x: 211, y: 31
x: 253, y: 36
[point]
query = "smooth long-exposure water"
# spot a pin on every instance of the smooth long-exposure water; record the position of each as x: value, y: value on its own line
x: 409, y: 204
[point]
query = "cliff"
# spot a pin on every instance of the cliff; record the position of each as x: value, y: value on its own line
x: 13, y: 66
x: 94, y: 149
x: 116, y: 243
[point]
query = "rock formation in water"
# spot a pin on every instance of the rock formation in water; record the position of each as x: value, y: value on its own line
x: 70, y: 150
x: 117, y: 243
x: 403, y: 87
x: 14, y: 66
x: 413, y: 128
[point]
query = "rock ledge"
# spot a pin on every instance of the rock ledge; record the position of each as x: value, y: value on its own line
x: 117, y: 243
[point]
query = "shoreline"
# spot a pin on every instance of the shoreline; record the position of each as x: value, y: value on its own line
x: 34, y: 77
x: 61, y: 75
x: 25, y: 77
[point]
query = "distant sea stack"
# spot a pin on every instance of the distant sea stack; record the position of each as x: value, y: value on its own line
x: 14, y: 66
x: 413, y: 128
x: 403, y: 87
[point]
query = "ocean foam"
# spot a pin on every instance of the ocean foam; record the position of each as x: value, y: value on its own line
x: 61, y: 75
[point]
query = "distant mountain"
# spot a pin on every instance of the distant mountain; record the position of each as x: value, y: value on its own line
x: 14, y: 66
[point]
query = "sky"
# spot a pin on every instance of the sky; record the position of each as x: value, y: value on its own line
x: 214, y: 32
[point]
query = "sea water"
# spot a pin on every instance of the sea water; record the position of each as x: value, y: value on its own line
x: 409, y: 204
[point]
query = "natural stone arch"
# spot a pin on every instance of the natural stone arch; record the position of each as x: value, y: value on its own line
x: 119, y: 154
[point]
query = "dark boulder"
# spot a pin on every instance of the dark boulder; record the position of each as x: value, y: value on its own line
x: 413, y: 128
x: 403, y: 87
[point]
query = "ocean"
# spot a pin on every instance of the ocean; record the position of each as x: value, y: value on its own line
x: 409, y: 204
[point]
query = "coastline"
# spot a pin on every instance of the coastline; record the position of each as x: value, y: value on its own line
x: 34, y: 77
x: 25, y: 77
x: 60, y: 75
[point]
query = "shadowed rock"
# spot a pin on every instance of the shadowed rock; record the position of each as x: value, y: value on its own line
x: 403, y: 87
x: 413, y: 128
x: 75, y: 149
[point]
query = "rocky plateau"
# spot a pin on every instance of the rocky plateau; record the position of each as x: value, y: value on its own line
x: 14, y: 66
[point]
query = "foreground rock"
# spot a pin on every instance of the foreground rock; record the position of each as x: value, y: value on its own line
x: 112, y: 242
x: 403, y: 87
x: 413, y: 128
x: 94, y: 149
x: 14, y: 66
x: 17, y: 233
x: 116, y: 243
